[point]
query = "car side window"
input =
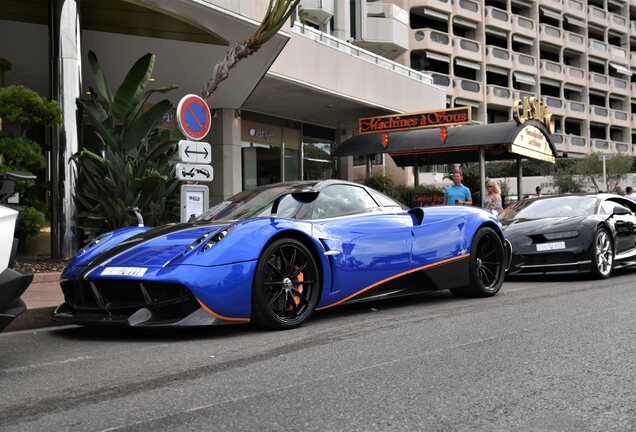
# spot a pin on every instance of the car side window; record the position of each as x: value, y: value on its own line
x: 337, y: 200
x: 608, y: 207
x: 384, y: 200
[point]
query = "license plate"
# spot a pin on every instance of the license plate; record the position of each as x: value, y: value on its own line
x: 550, y: 246
x: 124, y: 271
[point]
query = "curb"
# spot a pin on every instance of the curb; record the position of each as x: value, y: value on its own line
x: 46, y: 277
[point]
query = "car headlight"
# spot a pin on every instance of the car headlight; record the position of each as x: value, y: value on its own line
x: 216, y: 238
x: 561, y: 235
x: 97, y: 240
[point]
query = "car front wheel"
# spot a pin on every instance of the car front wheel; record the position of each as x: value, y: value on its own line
x: 486, y: 268
x: 286, y: 285
x: 603, y: 254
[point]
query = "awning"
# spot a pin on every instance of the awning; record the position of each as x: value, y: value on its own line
x: 572, y: 87
x: 436, y: 14
x: 464, y: 23
x: 497, y: 70
x: 438, y: 57
x: 466, y: 102
x: 468, y: 64
x: 550, y: 82
x: 523, y: 40
x: 575, y: 21
x: 621, y: 69
x: 500, y: 33
x: 525, y: 78
x: 500, y: 141
x: 551, y: 14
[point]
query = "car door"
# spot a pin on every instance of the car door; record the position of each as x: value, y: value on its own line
x: 624, y: 224
x: 365, y: 243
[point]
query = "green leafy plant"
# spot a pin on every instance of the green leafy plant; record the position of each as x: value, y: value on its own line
x: 616, y: 168
x: 126, y: 157
x: 22, y: 110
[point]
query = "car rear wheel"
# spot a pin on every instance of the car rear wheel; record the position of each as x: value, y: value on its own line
x: 603, y: 258
x: 487, y: 269
x: 286, y: 285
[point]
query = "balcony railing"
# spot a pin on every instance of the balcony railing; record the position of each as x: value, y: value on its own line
x: 597, y: 48
x: 597, y: 16
x: 467, y: 48
x: 498, y: 18
x: 575, y: 41
x: 617, y: 22
x: 574, y: 8
x: 550, y: 34
x: 467, y: 9
x: 498, y: 95
x: 600, y: 144
x: 599, y: 81
x: 358, y: 52
x: 575, y: 75
x: 621, y: 147
x: 577, y: 141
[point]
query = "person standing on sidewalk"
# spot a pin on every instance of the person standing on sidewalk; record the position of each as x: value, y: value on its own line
x: 457, y: 193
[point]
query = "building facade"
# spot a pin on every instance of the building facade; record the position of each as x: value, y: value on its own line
x: 277, y: 117
x: 579, y: 56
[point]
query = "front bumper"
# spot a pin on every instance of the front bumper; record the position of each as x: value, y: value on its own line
x: 565, y: 261
x: 12, y: 285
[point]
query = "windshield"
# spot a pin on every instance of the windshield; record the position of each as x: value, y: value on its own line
x: 564, y: 206
x: 251, y: 203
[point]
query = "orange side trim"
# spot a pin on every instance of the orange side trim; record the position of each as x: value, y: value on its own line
x: 221, y: 317
x: 395, y: 277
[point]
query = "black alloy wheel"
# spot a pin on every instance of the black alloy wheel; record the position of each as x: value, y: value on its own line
x: 487, y: 265
x: 602, y: 254
x: 286, y: 285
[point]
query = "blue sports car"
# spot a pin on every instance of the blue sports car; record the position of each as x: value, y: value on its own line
x: 274, y: 254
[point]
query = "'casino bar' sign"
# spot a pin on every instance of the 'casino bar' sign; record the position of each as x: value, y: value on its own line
x: 421, y: 120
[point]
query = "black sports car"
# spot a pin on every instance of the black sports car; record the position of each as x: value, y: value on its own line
x: 571, y: 233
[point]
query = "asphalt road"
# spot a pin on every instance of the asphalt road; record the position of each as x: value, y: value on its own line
x: 550, y: 355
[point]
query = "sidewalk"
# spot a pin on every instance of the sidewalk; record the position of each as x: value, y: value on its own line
x: 41, y: 297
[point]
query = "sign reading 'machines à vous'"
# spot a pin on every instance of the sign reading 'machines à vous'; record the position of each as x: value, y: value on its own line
x: 421, y: 120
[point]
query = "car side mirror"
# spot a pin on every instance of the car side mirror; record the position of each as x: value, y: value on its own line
x: 620, y: 211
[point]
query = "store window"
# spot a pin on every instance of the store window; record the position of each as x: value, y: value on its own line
x: 261, y: 150
x: 318, y: 144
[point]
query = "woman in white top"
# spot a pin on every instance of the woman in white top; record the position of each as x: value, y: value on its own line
x: 492, y: 201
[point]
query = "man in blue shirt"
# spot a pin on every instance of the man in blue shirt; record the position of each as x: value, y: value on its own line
x: 457, y: 193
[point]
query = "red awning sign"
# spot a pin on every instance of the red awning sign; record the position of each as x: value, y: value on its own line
x: 193, y: 117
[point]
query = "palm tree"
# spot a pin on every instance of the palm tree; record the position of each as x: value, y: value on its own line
x: 278, y: 11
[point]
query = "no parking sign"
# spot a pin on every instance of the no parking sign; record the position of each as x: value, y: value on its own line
x: 193, y: 117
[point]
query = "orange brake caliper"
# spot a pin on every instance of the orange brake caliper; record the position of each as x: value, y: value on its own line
x: 299, y: 287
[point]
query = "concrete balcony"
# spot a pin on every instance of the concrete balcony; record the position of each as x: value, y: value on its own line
x: 574, y: 109
x: 618, y: 86
x: 620, y: 118
x: 467, y: 49
x: 524, y: 26
x: 553, y: 4
x: 574, y: 42
x: 519, y: 95
x: 556, y: 105
x: 575, y: 8
x: 317, y: 11
x: 598, y: 81
x: 431, y: 40
x: 633, y: 120
x: 633, y: 88
x: 443, y: 81
x: 550, y: 34
x: 467, y: 89
x: 498, y: 57
x: 597, y: 16
x: 497, y: 95
x: 575, y: 76
x: 524, y: 63
x: 467, y: 9
x: 618, y: 54
x: 599, y: 114
x: 621, y: 147
x: 597, y: 49
x: 618, y: 23
x: 550, y: 69
x: 559, y: 142
x: 577, y: 144
x: 498, y: 18
x: 632, y: 59
x: 387, y: 30
x: 445, y: 6
x: 601, y: 145
x: 632, y: 27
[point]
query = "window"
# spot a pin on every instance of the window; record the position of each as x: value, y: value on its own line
x: 338, y: 200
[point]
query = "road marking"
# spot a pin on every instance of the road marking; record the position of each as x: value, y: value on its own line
x: 43, y: 365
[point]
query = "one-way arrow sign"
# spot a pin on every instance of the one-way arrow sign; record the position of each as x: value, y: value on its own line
x: 195, y: 152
